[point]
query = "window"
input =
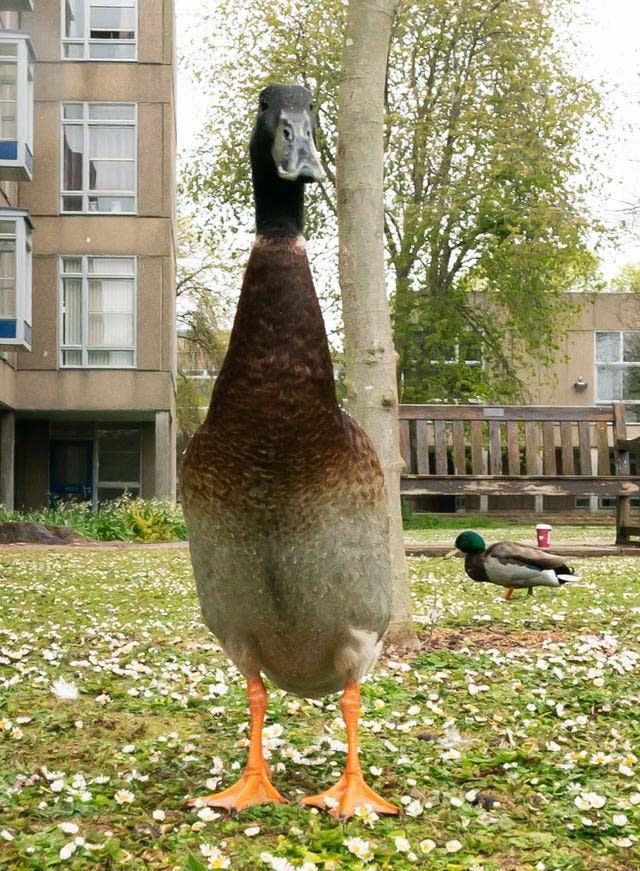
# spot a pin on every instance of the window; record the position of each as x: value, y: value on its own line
x: 16, y: 106
x: 617, y: 358
x: 466, y: 350
x: 99, y: 157
x: 118, y: 463
x: 98, y: 312
x: 99, y: 30
x: 15, y: 278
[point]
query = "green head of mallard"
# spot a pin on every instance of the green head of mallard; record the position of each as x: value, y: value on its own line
x: 470, y: 542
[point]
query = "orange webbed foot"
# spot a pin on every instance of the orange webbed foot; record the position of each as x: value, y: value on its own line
x: 351, y: 791
x: 254, y: 787
x: 342, y: 799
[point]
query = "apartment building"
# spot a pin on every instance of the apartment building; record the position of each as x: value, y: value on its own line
x: 87, y: 250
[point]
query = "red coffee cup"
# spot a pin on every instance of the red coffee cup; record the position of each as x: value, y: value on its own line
x: 543, y: 533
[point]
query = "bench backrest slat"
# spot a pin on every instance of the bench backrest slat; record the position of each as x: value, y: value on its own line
x: 422, y: 447
x: 477, y: 450
x: 513, y: 447
x: 623, y: 466
x: 440, y: 442
x: 602, y: 443
x: 459, y: 452
x: 405, y: 444
x: 495, y: 448
x: 532, y: 448
x: 549, y: 466
x: 566, y: 447
x: 584, y: 447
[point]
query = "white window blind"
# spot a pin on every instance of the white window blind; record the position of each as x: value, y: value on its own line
x: 98, y: 311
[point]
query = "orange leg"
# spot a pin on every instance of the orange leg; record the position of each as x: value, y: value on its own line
x: 509, y: 593
x: 254, y: 787
x: 351, y: 790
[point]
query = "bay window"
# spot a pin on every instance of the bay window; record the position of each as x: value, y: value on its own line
x: 99, y: 30
x: 16, y: 106
x: 15, y: 278
x: 99, y: 157
x: 98, y: 312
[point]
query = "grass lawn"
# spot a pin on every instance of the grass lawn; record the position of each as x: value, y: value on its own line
x: 511, y: 740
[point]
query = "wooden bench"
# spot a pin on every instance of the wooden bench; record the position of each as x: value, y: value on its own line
x: 510, y: 450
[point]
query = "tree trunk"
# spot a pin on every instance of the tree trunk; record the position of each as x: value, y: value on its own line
x: 369, y: 354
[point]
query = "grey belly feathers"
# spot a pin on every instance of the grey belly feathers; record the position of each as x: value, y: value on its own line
x: 306, y: 606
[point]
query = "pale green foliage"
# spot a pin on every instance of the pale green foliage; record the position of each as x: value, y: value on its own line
x: 485, y: 142
x: 202, y: 305
x: 627, y: 280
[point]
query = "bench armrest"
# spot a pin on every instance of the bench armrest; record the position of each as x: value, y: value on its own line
x: 628, y: 444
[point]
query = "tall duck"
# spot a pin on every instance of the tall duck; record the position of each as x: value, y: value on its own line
x: 283, y: 493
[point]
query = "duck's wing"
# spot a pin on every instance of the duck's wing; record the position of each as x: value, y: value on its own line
x: 519, y: 565
x: 527, y: 555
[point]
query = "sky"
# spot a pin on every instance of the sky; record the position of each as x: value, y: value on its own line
x: 610, y: 52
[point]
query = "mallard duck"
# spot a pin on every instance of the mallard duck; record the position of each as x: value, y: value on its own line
x: 512, y: 565
x: 283, y: 493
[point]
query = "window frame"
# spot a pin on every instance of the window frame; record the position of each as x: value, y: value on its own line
x: 84, y: 345
x: 16, y: 331
x: 619, y: 364
x: 87, y: 41
x: 86, y: 123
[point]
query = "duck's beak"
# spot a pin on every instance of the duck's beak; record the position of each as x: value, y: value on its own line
x: 452, y: 553
x: 294, y: 150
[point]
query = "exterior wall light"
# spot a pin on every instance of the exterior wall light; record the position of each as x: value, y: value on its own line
x: 580, y: 384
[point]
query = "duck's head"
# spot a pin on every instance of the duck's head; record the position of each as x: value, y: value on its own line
x: 469, y: 542
x: 283, y: 140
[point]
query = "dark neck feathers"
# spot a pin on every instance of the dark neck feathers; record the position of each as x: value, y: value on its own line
x: 279, y: 204
x: 474, y: 565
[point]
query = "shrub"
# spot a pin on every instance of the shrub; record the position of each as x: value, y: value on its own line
x: 122, y: 519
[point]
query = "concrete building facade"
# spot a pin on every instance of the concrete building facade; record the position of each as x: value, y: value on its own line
x: 87, y: 371
x: 599, y: 355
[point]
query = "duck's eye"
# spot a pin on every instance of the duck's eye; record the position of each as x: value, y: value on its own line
x: 264, y: 105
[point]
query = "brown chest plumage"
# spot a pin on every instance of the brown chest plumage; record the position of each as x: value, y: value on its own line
x: 274, y: 430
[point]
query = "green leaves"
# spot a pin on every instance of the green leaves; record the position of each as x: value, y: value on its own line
x: 488, y: 132
x: 192, y: 864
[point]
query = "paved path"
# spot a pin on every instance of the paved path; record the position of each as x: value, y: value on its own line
x: 440, y: 548
x: 412, y: 548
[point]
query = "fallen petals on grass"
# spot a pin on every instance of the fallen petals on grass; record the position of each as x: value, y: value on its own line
x: 359, y: 848
x: 515, y: 722
x: 587, y: 800
x: 65, y: 690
